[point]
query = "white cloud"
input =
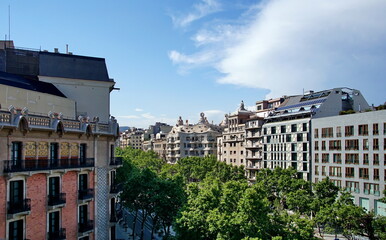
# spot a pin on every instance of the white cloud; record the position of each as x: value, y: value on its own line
x: 147, y: 116
x: 129, y: 117
x: 138, y: 110
x: 215, y: 116
x: 200, y: 10
x: 289, y: 45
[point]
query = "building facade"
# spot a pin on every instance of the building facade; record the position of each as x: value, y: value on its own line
x: 57, y: 149
x: 287, y: 129
x: 350, y: 150
x: 186, y: 140
x: 231, y: 145
x: 133, y: 137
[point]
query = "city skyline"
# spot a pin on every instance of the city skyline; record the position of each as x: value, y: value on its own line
x: 180, y: 58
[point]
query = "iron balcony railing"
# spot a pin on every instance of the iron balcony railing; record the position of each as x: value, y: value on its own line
x: 23, y: 205
x: 84, y: 194
x: 86, y: 226
x: 59, y: 235
x: 56, y: 199
x: 115, y: 161
x: 11, y: 166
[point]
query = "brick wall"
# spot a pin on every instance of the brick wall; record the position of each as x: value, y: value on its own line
x: 3, y: 206
x: 37, y: 220
x: 70, y: 211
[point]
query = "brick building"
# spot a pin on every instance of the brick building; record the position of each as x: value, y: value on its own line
x: 56, y: 147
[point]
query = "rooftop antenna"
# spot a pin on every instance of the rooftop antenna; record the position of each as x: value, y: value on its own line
x: 9, y: 22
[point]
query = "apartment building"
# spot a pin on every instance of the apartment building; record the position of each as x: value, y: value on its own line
x: 287, y: 129
x: 132, y: 137
x: 254, y: 136
x: 350, y: 150
x: 231, y: 145
x: 56, y: 147
x: 192, y: 139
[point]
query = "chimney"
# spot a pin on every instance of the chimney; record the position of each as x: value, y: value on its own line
x: 56, y: 50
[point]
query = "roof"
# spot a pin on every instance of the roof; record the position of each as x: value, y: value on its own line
x: 73, y: 66
x: 29, y: 84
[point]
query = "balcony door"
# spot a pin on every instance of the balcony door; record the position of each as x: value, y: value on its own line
x: 54, y: 153
x: 82, y: 153
x: 16, y: 154
x: 54, y: 185
x: 15, y: 230
x: 83, y: 214
x: 16, y: 193
x: 53, y: 224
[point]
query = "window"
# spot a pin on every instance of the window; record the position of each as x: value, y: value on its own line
x: 375, y: 144
x: 338, y: 132
x: 294, y: 156
x: 304, y: 126
x: 334, y: 145
x: 299, y: 137
x: 83, y: 214
x: 265, y: 131
x: 352, y: 144
x: 15, y: 230
x: 282, y: 128
x: 16, y: 194
x: 350, y: 172
x: 363, y: 130
x: 54, y: 152
x: 54, y: 195
x: 316, y: 133
x: 293, y: 128
x: 16, y: 152
x: 293, y: 147
x: 376, y: 174
x: 82, y: 152
x: 323, y: 145
x: 376, y: 159
x: 316, y: 145
x: 316, y: 170
x: 365, y: 144
x: 365, y: 159
x: 375, y: 129
x: 325, y: 157
x: 316, y: 157
x: 335, y: 171
x: 352, y: 186
x: 337, y: 158
x: 304, y: 146
x: 305, y: 156
x: 53, y: 223
x: 327, y: 132
x: 288, y: 138
x: 273, y: 130
x: 323, y: 170
x: 352, y: 158
x: 364, y: 173
x: 349, y: 131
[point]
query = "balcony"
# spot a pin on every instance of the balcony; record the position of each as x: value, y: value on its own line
x: 86, y: 226
x: 85, y: 194
x: 11, y: 166
x: 58, y: 199
x: 116, y: 161
x: 22, y: 206
x: 59, y: 235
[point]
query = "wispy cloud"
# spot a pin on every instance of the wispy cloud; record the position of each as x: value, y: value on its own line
x: 200, y: 10
x: 147, y: 116
x: 138, y: 110
x: 129, y: 117
x: 288, y: 45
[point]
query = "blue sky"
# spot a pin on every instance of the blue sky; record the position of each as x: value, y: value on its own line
x: 175, y: 58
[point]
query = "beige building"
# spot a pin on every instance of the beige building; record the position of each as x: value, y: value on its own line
x: 57, y: 147
x: 192, y: 139
x: 231, y: 145
x: 132, y: 137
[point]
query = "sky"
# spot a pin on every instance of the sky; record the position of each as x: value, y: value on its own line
x: 174, y: 58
